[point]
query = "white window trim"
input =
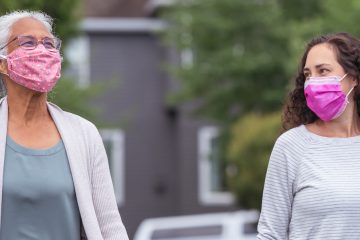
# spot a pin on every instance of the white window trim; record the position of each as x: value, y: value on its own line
x: 117, y: 165
x: 187, y: 58
x: 84, y: 64
x: 205, y: 195
x: 84, y: 72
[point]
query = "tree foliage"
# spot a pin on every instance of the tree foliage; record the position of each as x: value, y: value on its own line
x: 245, y: 54
x: 72, y: 98
x: 238, y: 47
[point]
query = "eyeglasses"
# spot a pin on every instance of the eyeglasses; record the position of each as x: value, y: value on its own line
x: 30, y: 42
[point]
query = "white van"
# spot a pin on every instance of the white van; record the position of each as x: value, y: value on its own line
x: 240, y: 225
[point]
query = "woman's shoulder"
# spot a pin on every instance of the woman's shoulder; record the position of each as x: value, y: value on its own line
x: 290, y: 147
x: 295, y: 137
x: 74, y: 119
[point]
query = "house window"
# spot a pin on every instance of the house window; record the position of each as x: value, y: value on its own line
x: 187, y: 58
x: 114, y: 143
x: 77, y: 53
x: 210, y: 169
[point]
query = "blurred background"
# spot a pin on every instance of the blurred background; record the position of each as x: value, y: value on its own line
x: 187, y: 94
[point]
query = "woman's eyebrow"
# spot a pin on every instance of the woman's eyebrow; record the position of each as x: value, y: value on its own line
x: 317, y: 66
x: 322, y: 65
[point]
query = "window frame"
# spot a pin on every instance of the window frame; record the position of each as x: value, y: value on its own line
x: 82, y: 65
x: 207, y: 196
x: 116, y: 161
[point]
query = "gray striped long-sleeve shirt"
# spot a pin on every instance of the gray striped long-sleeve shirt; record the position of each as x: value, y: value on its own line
x: 312, y: 188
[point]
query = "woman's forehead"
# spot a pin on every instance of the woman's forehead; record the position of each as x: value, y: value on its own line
x: 29, y: 26
x: 321, y: 54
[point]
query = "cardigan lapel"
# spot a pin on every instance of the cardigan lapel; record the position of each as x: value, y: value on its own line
x: 78, y: 167
x: 3, y: 133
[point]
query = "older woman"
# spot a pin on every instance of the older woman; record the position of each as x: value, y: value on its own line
x: 54, y: 172
x: 312, y: 186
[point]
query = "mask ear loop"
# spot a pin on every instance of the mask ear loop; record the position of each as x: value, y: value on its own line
x: 343, y: 77
x: 347, y: 95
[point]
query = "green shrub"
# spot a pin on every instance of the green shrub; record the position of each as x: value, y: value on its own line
x: 251, y: 141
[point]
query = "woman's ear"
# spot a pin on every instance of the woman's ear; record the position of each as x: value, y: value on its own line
x: 3, y: 67
x: 356, y: 80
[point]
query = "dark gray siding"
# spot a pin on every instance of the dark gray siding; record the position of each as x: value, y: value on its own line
x: 134, y: 101
x: 115, y: 8
x: 160, y: 148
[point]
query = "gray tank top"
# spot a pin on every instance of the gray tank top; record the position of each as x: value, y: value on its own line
x: 38, y: 199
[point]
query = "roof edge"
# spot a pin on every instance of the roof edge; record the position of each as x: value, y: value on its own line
x: 111, y: 24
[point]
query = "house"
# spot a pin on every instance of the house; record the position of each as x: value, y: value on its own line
x: 160, y: 155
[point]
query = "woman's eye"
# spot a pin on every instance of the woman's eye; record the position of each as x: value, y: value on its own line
x: 27, y: 44
x: 323, y: 71
x: 49, y: 45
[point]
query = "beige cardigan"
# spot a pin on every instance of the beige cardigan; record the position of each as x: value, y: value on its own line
x: 89, y: 169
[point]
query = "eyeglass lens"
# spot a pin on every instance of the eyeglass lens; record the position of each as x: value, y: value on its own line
x: 31, y: 42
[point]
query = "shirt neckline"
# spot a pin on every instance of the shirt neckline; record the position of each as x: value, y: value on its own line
x: 317, y: 137
x: 31, y: 151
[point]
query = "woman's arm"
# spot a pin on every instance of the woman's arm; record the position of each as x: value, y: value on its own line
x: 106, y: 209
x: 277, y: 196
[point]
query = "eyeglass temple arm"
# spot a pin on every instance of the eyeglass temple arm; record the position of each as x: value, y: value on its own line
x: 7, y: 44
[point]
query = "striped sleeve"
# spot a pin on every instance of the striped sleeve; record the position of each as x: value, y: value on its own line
x: 278, y: 191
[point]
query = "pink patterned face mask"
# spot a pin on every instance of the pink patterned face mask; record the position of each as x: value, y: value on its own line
x: 324, y: 96
x: 37, y: 69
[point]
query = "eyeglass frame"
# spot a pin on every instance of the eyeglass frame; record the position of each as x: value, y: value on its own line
x: 57, y: 41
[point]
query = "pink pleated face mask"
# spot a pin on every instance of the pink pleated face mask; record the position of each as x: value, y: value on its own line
x: 37, y: 69
x: 325, y: 97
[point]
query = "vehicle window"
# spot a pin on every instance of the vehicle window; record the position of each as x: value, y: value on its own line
x: 174, y: 233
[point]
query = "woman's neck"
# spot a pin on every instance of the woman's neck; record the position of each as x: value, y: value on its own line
x: 26, y: 108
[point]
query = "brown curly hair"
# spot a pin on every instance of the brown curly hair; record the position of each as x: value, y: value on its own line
x: 347, y: 48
